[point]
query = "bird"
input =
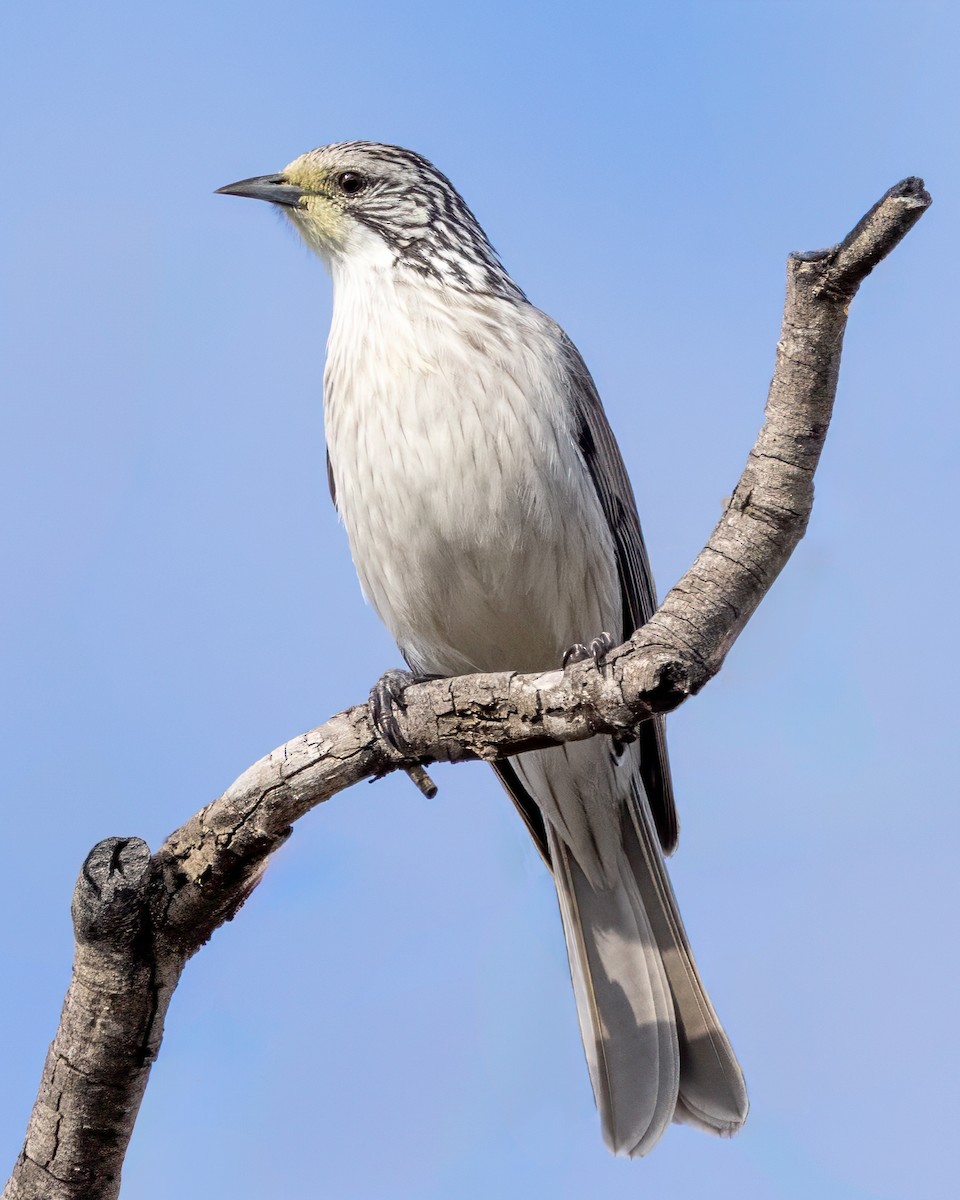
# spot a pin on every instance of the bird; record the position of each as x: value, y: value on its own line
x: 493, y: 527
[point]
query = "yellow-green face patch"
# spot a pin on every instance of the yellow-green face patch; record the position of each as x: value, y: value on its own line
x: 320, y: 213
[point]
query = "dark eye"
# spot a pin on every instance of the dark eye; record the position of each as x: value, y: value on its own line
x: 351, y: 182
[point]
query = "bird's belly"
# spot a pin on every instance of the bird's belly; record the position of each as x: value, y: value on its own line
x: 473, y: 527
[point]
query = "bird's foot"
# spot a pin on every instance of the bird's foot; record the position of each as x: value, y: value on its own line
x: 597, y: 650
x: 386, y: 695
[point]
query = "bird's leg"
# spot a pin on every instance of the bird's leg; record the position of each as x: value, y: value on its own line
x: 597, y: 650
x: 386, y: 695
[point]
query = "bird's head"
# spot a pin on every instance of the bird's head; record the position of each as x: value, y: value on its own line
x: 363, y: 201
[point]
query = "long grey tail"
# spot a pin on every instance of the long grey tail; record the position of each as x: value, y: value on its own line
x: 655, y: 1048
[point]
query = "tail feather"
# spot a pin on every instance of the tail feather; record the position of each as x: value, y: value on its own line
x: 623, y: 1001
x: 655, y: 1049
x: 712, y: 1087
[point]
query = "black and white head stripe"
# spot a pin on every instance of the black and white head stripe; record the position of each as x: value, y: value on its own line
x: 417, y: 211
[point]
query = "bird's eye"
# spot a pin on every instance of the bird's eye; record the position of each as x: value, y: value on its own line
x: 351, y: 182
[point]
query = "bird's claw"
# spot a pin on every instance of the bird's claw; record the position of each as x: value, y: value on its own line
x: 574, y: 654
x: 386, y: 695
x: 600, y: 647
x: 597, y: 650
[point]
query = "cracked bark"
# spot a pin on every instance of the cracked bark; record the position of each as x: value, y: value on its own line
x: 139, y: 917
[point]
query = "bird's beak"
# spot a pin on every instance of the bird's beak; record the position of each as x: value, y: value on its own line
x: 274, y: 188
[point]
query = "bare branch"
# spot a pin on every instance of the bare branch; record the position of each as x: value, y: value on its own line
x: 138, y: 918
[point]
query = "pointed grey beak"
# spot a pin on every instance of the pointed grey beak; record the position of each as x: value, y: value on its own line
x: 274, y: 188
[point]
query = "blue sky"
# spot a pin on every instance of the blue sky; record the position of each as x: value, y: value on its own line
x: 390, y: 1015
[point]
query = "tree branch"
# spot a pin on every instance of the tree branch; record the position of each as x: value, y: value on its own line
x: 138, y: 918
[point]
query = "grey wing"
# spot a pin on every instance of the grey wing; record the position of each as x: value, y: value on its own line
x: 525, y: 805
x: 602, y: 458
x: 331, y: 483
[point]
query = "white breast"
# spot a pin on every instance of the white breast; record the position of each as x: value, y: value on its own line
x: 473, y: 524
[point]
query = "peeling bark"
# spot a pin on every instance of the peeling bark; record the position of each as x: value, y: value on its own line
x: 139, y: 917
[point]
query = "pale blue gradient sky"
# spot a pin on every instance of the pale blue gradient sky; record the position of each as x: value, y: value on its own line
x: 390, y: 1015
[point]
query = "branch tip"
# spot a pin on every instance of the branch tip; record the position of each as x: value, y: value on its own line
x: 872, y: 238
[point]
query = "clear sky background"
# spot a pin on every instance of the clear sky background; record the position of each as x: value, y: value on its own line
x: 390, y: 1015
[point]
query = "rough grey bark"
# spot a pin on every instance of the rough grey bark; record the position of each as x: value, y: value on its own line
x: 139, y: 917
